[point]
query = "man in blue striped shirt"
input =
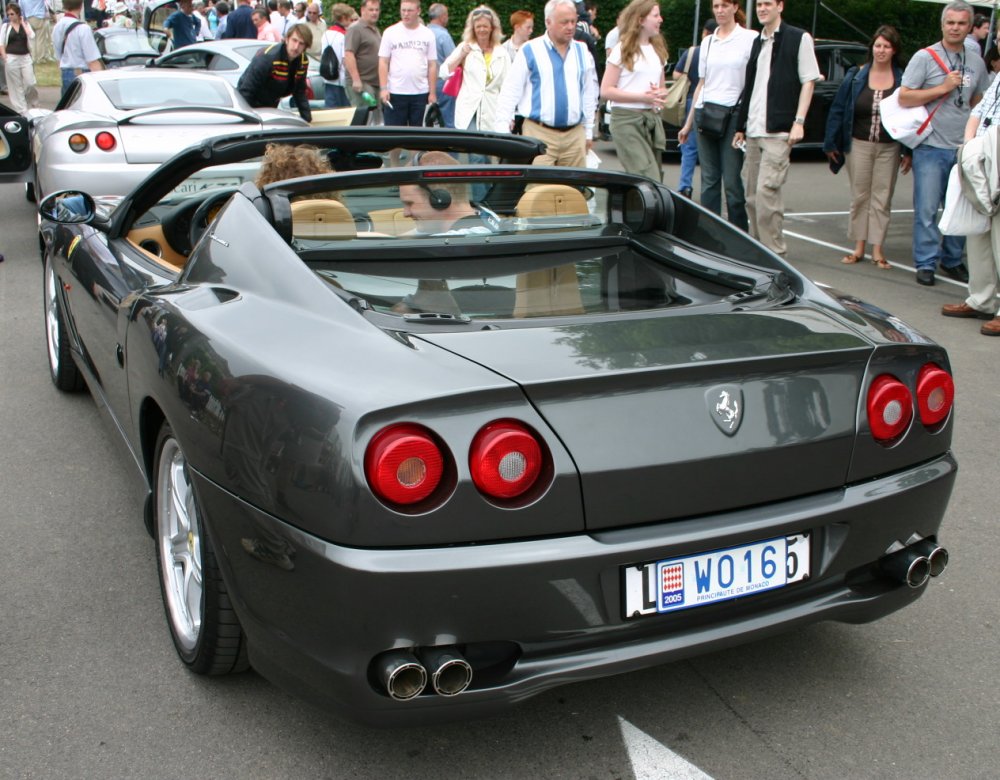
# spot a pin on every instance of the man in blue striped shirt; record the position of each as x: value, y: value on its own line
x: 553, y: 85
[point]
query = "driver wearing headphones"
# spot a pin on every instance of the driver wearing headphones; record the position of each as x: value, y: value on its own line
x: 441, y: 209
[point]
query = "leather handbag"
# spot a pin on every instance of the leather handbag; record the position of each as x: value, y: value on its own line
x: 674, y: 108
x: 714, y: 116
x: 454, y: 83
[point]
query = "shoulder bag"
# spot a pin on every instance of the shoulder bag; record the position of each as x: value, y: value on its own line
x: 454, y: 83
x: 674, y: 108
x: 911, y: 126
x: 714, y: 116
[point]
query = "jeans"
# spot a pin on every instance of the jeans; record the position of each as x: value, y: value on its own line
x: 931, y: 167
x: 334, y: 96
x: 406, y: 111
x: 722, y: 164
x: 689, y: 158
x: 68, y: 74
x: 447, y: 105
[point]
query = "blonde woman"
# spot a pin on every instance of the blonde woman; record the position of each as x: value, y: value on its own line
x: 634, y: 86
x: 485, y: 63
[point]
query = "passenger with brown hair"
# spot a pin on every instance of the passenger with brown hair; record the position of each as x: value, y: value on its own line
x: 285, y: 161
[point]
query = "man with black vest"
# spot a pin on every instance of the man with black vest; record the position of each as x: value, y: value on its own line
x: 780, y: 77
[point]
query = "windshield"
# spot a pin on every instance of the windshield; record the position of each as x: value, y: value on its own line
x: 128, y: 43
x: 127, y: 94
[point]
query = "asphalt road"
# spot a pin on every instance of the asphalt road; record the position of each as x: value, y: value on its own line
x: 90, y: 685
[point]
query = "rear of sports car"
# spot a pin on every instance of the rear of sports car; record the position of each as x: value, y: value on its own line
x: 577, y: 462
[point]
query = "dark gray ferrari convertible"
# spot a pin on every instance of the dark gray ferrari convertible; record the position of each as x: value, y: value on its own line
x: 432, y: 430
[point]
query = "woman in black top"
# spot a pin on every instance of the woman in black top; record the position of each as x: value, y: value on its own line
x: 16, y: 40
x: 854, y: 128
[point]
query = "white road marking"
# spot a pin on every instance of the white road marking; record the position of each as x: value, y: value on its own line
x: 848, y: 250
x: 836, y: 213
x: 652, y: 760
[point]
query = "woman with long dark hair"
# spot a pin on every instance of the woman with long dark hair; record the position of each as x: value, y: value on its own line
x: 855, y: 133
x: 634, y: 86
x: 16, y: 41
x: 722, y: 72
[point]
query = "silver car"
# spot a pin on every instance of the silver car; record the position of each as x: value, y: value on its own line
x: 113, y: 127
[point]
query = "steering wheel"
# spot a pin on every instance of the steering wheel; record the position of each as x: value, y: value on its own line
x: 206, y: 212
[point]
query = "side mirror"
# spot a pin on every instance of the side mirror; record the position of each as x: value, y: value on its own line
x: 68, y: 207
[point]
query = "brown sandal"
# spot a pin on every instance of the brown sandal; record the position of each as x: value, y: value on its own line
x: 882, y: 263
x: 851, y: 259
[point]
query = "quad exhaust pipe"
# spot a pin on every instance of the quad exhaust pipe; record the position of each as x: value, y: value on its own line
x: 404, y: 676
x: 914, y: 564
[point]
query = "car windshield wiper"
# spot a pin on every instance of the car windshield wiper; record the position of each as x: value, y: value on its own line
x: 436, y: 318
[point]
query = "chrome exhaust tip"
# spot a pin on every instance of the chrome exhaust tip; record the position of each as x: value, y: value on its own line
x: 450, y: 673
x: 935, y: 554
x: 907, y: 566
x: 401, y: 674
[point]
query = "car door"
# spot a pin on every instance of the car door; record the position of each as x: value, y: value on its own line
x: 15, y: 146
x: 99, y: 293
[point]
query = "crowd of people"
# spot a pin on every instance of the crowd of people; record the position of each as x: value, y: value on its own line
x: 746, y: 111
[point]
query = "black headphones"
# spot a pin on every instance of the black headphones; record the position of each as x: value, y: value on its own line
x: 438, y: 197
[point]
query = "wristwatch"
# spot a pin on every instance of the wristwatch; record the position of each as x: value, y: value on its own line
x: 800, y: 120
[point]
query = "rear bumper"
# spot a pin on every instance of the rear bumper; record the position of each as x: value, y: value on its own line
x: 531, y: 615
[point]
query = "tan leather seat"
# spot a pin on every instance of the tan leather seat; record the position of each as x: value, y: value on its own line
x: 391, y: 222
x: 551, y: 200
x: 323, y: 218
x: 551, y: 291
x: 333, y: 117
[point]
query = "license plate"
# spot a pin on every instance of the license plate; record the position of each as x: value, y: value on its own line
x: 710, y: 577
x: 192, y: 186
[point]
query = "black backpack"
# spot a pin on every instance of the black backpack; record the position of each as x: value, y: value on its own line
x: 329, y: 65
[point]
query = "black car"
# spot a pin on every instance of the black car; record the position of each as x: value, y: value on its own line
x: 421, y: 441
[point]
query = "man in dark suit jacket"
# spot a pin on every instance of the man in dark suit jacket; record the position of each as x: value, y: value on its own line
x: 239, y: 23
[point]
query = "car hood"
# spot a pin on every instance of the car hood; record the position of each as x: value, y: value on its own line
x: 687, y: 414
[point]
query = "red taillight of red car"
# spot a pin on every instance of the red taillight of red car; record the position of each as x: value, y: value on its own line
x: 890, y: 408
x: 506, y: 459
x: 78, y: 143
x: 105, y: 142
x: 404, y: 464
x: 935, y: 394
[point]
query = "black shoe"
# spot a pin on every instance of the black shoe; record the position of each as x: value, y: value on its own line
x: 686, y: 192
x: 925, y: 277
x: 957, y: 272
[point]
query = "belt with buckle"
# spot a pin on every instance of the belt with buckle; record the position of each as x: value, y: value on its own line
x: 553, y: 127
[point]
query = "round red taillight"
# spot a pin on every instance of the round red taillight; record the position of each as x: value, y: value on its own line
x: 105, y: 141
x: 404, y: 464
x: 935, y: 394
x: 78, y: 142
x: 890, y: 408
x: 505, y: 459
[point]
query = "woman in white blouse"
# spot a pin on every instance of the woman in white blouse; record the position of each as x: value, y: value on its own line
x: 485, y: 63
x: 722, y: 71
x: 634, y: 86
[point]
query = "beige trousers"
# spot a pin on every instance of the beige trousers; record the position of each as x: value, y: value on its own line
x: 567, y: 147
x: 983, y: 258
x: 41, y: 49
x: 872, y: 169
x: 765, y: 169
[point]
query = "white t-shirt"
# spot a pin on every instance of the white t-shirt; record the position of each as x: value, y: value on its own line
x: 647, y: 70
x: 722, y: 66
x: 408, y: 52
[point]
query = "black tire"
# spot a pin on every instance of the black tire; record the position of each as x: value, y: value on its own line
x: 205, y: 629
x: 65, y: 375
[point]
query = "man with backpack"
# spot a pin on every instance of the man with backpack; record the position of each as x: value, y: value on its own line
x: 331, y: 62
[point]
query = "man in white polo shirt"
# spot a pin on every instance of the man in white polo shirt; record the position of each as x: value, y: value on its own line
x: 407, y: 68
x: 561, y: 111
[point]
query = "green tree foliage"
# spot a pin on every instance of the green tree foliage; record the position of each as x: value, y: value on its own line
x: 917, y: 22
